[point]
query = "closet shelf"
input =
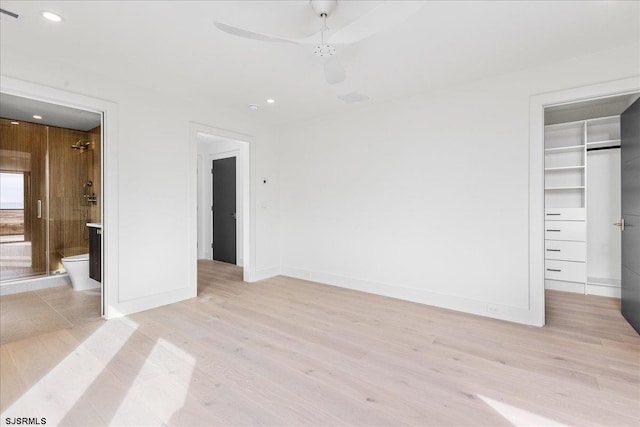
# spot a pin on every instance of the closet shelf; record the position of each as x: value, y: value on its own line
x: 563, y: 168
x: 613, y: 119
x: 606, y: 143
x: 575, y: 124
x: 580, y: 187
x: 568, y: 148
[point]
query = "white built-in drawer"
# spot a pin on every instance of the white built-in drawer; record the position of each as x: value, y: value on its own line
x: 565, y: 214
x: 565, y: 270
x: 565, y: 230
x: 565, y: 251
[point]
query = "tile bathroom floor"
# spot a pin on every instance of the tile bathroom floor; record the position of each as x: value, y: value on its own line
x: 29, y: 314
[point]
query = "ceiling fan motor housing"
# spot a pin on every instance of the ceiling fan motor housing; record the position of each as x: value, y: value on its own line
x: 323, y: 50
x: 323, y: 7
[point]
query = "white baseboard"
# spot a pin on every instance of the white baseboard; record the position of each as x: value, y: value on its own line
x: 481, y: 308
x: 149, y: 302
x: 34, y: 284
x: 604, y: 291
x: 557, y: 285
x: 263, y: 274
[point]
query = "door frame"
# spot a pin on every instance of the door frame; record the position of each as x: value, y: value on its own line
x: 247, y: 156
x: 109, y: 171
x: 537, y: 105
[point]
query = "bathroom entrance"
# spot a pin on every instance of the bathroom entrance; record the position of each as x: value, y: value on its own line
x: 50, y: 191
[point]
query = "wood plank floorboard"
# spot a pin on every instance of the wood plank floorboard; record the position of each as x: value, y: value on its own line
x: 285, y: 351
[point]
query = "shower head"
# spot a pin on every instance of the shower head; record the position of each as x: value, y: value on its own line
x: 81, y: 144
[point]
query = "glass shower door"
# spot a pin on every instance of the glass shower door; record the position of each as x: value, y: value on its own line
x: 23, y: 201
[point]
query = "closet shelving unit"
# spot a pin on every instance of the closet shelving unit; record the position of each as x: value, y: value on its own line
x: 566, y: 213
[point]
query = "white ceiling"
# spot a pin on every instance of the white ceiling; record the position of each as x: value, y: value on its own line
x: 23, y: 109
x: 173, y: 47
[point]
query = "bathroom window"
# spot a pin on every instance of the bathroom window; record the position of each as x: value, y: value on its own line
x: 11, y: 207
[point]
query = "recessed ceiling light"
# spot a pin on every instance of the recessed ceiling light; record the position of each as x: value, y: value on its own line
x: 37, y: 117
x: 52, y: 16
x: 271, y: 101
x: 15, y: 123
x: 253, y: 107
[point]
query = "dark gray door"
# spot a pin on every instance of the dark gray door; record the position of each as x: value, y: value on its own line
x: 224, y: 209
x: 630, y: 162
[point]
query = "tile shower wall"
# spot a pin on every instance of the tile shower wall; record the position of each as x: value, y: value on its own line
x: 68, y: 210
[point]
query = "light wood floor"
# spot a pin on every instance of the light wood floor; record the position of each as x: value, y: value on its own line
x: 290, y: 352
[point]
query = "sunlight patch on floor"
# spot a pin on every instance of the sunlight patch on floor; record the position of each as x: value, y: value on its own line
x: 56, y: 393
x: 163, y: 382
x: 519, y: 417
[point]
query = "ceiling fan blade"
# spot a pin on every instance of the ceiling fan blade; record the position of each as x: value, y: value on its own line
x: 334, y: 71
x: 378, y: 19
x: 240, y: 32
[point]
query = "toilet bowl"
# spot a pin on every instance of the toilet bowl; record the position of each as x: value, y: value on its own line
x: 78, y: 269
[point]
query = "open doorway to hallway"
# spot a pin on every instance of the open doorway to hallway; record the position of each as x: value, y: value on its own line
x: 223, y: 187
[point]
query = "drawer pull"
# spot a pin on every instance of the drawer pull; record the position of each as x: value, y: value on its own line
x: 553, y: 214
x: 554, y: 269
x: 553, y: 230
x: 553, y: 250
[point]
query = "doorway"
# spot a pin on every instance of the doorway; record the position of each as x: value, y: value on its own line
x: 50, y: 176
x: 223, y: 151
x: 582, y: 175
x: 104, y: 162
x: 599, y: 93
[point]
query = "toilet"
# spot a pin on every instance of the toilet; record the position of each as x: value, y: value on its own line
x: 78, y: 269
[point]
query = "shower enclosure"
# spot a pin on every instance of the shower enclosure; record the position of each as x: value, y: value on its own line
x: 50, y: 183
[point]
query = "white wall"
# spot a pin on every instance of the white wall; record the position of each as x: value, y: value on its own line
x: 156, y: 168
x: 426, y: 198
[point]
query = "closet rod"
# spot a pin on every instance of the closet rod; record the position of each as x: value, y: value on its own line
x: 603, y: 148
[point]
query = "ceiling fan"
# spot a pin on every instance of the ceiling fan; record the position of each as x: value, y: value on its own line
x: 323, y: 45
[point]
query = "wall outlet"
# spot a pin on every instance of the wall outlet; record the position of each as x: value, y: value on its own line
x: 494, y: 309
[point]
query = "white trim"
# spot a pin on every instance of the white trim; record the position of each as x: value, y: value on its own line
x: 265, y: 274
x: 109, y: 110
x: 452, y: 302
x: 248, y: 216
x: 603, y: 291
x: 537, y: 104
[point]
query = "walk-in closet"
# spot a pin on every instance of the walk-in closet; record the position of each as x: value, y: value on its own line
x: 583, y: 219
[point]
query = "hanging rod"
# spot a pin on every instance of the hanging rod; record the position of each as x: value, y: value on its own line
x: 603, y: 148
